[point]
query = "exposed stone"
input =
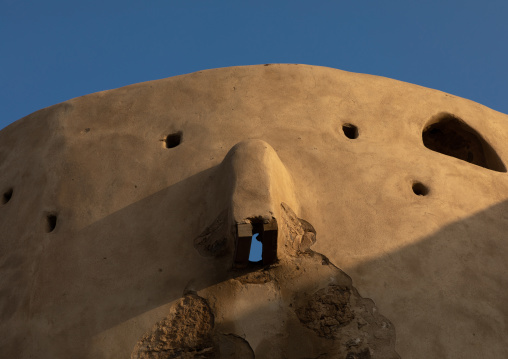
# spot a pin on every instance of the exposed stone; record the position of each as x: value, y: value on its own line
x: 327, y: 310
x: 185, y: 333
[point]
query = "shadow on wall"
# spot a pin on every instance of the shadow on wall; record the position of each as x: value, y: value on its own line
x: 446, y: 295
x: 447, y: 292
x: 448, y: 289
x: 129, y: 262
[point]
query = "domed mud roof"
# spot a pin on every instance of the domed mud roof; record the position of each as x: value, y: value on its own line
x: 116, y: 204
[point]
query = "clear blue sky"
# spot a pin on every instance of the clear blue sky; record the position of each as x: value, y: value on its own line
x: 52, y: 50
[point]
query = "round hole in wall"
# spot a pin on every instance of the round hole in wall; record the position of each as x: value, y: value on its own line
x: 50, y: 222
x: 420, y: 189
x: 350, y: 131
x: 7, y: 196
x: 173, y: 140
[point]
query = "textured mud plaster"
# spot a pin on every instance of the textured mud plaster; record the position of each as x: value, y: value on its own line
x: 301, y: 307
x: 297, y: 235
x: 274, y: 308
x: 233, y: 347
x: 334, y: 310
x: 216, y: 239
x: 327, y: 310
x: 185, y: 333
x: 364, y: 354
x: 351, y: 323
x: 188, y: 332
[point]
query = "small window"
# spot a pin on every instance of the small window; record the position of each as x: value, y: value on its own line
x: 256, y: 242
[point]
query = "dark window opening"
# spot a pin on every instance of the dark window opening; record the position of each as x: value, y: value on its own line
x: 50, y: 223
x: 257, y: 230
x: 420, y: 189
x: 7, y: 196
x: 173, y: 140
x: 451, y: 136
x: 350, y: 131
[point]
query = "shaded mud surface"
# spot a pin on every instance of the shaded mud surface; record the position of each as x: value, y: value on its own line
x: 329, y: 311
